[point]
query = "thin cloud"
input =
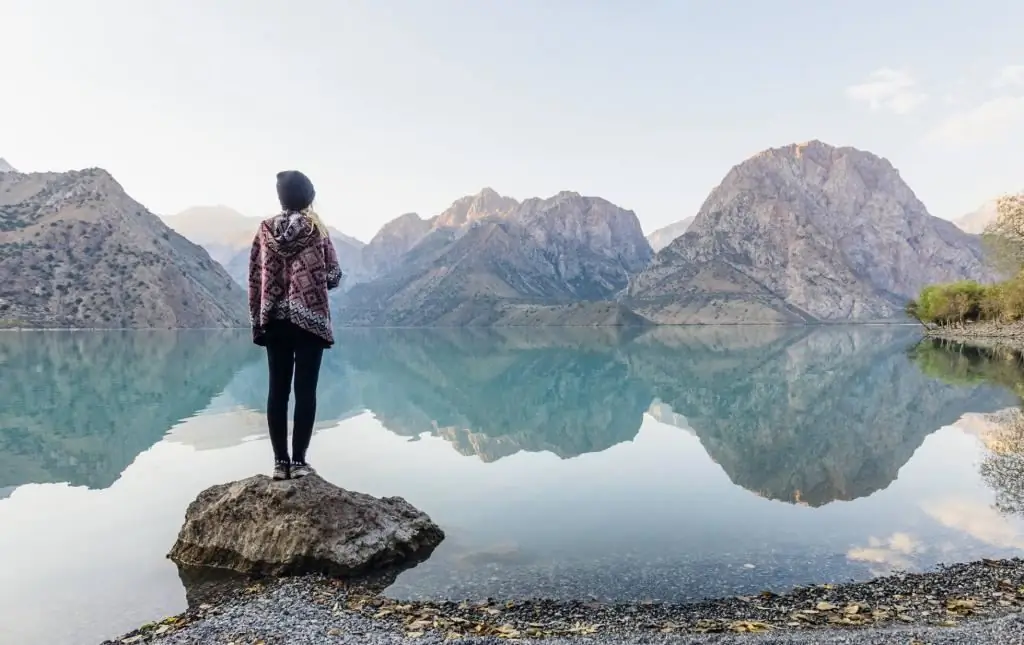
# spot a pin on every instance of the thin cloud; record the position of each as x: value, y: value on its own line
x: 889, y: 90
x: 1009, y: 76
x: 990, y: 120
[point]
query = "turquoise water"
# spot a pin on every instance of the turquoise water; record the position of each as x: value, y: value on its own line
x: 670, y: 465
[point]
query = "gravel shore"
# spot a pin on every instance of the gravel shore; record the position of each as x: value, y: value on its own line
x: 983, y: 334
x: 979, y: 602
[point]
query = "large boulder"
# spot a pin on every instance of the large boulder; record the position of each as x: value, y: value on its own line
x: 264, y: 527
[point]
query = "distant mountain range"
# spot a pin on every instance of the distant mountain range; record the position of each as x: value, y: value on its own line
x: 804, y: 233
x: 664, y: 236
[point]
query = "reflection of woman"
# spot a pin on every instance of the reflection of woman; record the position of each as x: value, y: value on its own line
x: 291, y: 267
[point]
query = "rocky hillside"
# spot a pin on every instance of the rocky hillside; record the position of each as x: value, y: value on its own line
x: 806, y: 232
x: 488, y: 260
x: 77, y: 251
x: 664, y: 236
x: 227, y: 235
x: 6, y: 167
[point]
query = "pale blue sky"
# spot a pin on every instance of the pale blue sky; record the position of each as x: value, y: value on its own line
x: 405, y: 105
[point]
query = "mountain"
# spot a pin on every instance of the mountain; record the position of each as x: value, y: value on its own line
x: 222, y: 231
x: 662, y: 237
x: 6, y: 167
x: 978, y: 220
x: 394, y: 240
x: 227, y: 235
x: 499, y: 262
x: 77, y: 251
x: 805, y: 233
x: 397, y: 237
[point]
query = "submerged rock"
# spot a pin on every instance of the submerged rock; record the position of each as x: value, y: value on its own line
x: 263, y: 527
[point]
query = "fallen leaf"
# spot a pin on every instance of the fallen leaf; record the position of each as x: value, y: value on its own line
x: 507, y: 631
x: 749, y: 626
x: 961, y: 605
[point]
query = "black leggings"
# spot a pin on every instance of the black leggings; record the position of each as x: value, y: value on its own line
x: 292, y: 351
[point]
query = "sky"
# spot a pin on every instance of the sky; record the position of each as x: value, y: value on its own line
x: 393, y: 106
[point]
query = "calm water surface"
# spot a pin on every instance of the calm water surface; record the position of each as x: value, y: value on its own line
x: 672, y: 465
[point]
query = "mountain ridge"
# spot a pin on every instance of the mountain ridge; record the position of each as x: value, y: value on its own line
x: 499, y: 259
x: 82, y: 253
x: 804, y: 233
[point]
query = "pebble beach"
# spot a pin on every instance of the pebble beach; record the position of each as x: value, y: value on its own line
x: 977, y: 602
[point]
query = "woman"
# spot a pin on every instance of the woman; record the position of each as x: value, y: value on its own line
x: 292, y: 265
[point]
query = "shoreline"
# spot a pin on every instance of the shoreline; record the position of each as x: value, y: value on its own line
x: 344, y: 327
x: 986, y: 335
x: 965, y: 600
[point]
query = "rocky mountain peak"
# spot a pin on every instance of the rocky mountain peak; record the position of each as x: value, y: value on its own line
x: 806, y: 232
x: 466, y: 210
x: 6, y: 167
x: 400, y: 225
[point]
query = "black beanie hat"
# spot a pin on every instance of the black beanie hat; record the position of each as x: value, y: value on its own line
x: 294, y: 190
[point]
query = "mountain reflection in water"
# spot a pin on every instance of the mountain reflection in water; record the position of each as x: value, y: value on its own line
x: 568, y: 463
x: 804, y: 415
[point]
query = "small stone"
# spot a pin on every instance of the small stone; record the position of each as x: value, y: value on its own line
x: 825, y: 606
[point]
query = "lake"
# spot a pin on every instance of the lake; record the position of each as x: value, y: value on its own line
x: 673, y: 464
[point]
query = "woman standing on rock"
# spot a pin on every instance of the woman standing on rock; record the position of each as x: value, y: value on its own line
x: 292, y: 265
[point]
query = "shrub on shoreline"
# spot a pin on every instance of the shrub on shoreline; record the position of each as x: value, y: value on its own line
x: 957, y: 303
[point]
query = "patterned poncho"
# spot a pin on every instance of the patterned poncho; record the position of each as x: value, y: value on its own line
x: 291, y: 268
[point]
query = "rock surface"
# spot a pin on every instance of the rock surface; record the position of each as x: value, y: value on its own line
x: 496, y: 258
x: 259, y: 526
x: 77, y: 251
x: 665, y: 235
x: 803, y: 233
x: 6, y: 167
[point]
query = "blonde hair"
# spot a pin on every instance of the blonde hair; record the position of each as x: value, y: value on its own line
x: 313, y: 217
